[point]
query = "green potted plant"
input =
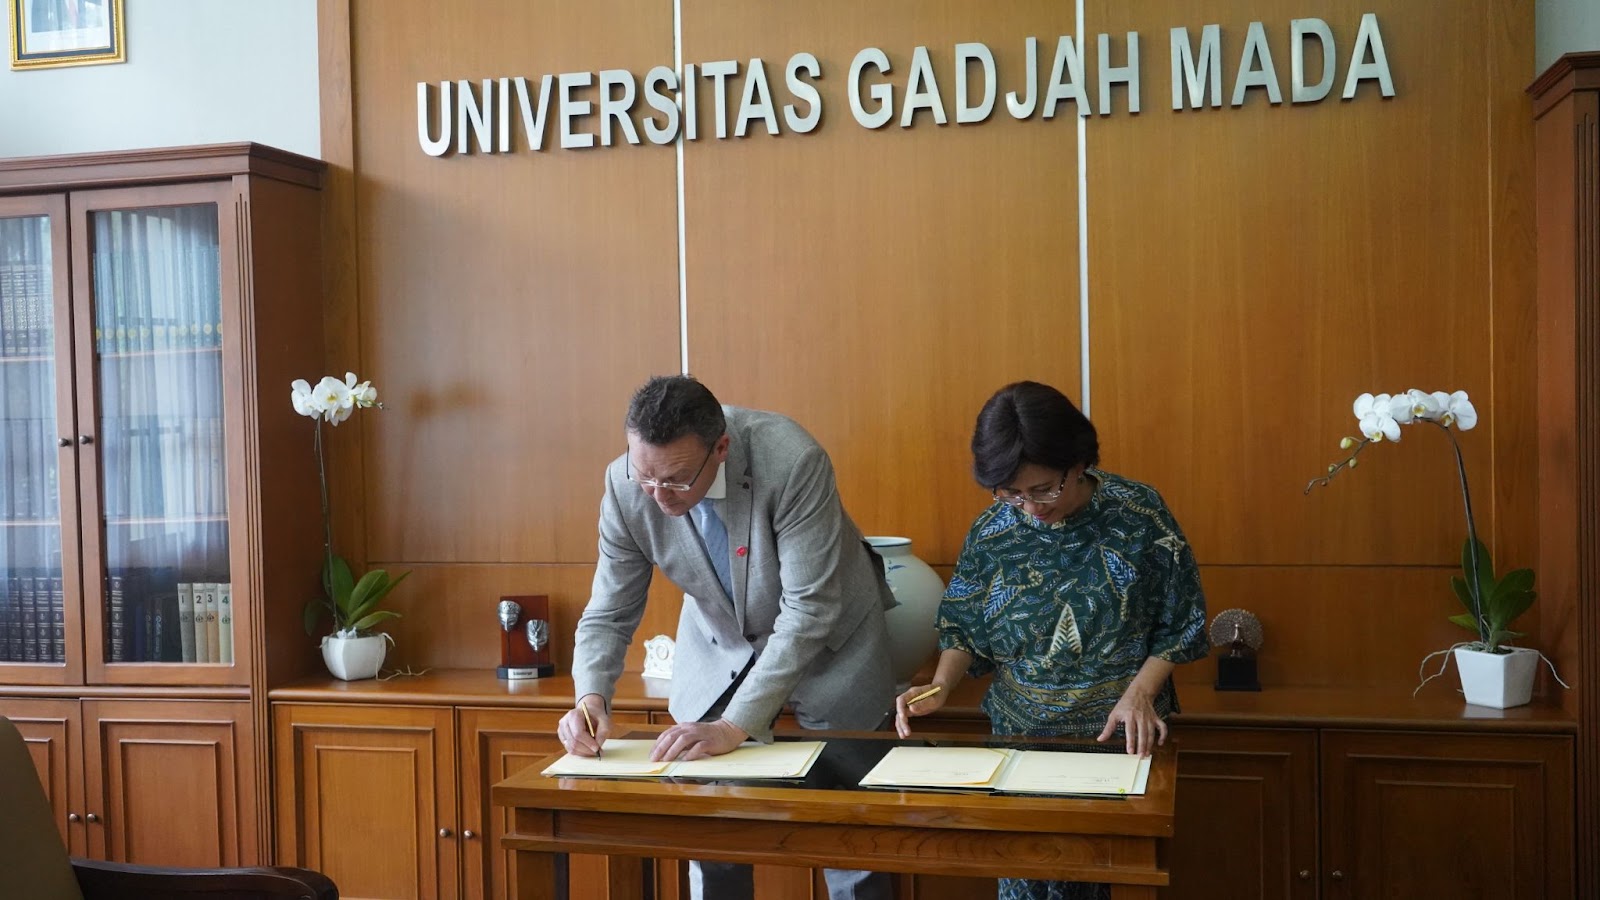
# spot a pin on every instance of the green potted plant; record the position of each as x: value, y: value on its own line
x: 353, y: 650
x: 1493, y: 673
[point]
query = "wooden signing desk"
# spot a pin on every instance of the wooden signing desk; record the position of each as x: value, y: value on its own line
x: 828, y: 822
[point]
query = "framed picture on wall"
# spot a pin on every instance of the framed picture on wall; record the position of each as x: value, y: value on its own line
x: 50, y: 33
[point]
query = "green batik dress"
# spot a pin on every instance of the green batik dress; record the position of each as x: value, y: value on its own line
x: 1065, y: 614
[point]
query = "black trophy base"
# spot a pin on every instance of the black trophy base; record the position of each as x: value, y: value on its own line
x: 523, y: 673
x: 1237, y: 673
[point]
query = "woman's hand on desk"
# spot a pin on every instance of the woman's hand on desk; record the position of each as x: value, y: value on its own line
x: 1143, y: 727
x: 928, y: 698
x: 697, y: 740
x: 574, y: 728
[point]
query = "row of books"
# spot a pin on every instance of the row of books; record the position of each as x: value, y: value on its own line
x: 29, y: 474
x: 32, y: 620
x: 192, y: 622
x: 27, y: 313
x: 154, y: 468
x: 164, y: 467
x: 157, y: 280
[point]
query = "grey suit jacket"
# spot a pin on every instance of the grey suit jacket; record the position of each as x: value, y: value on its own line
x: 808, y: 601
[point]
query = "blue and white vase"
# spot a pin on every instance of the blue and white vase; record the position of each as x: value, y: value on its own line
x: 913, y: 637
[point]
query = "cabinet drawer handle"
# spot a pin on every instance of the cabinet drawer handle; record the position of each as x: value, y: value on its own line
x: 64, y: 442
x: 93, y: 818
x: 1305, y: 874
x: 85, y: 438
x: 1337, y: 875
x: 468, y: 833
x: 74, y: 817
x: 444, y: 832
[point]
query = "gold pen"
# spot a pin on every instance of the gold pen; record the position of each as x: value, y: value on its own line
x: 924, y: 695
x: 590, y: 724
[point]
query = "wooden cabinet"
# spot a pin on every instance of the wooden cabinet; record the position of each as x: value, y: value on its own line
x: 155, y: 483
x: 394, y: 775
x: 1566, y: 218
x: 496, y: 744
x: 1305, y: 794
x: 1246, y: 815
x: 387, y: 774
x: 1446, y: 815
x: 1353, y: 814
x: 53, y: 732
x: 154, y: 782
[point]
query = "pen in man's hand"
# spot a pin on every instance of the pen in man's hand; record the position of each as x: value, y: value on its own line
x: 590, y: 724
x: 924, y: 695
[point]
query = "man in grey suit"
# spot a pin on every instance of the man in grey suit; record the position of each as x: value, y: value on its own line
x: 784, y: 601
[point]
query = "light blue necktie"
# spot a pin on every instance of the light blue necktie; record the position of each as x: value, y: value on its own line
x: 714, y: 535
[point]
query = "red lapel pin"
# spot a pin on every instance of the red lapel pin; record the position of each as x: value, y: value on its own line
x: 742, y: 551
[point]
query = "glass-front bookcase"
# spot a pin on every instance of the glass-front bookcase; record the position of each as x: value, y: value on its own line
x: 37, y: 492
x: 118, y: 364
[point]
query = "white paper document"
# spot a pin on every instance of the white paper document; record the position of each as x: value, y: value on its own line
x: 631, y: 759
x: 1011, y: 771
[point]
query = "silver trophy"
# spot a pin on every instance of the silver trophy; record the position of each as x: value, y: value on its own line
x: 509, y: 612
x: 524, y: 637
x: 538, y: 634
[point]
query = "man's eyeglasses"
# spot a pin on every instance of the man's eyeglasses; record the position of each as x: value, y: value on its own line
x: 670, y: 485
x: 1013, y: 497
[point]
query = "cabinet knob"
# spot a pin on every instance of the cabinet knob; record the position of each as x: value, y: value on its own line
x: 444, y: 832
x: 1305, y: 874
x: 74, y: 817
x: 63, y: 442
x: 1336, y: 875
x: 468, y: 833
x: 85, y: 438
x: 93, y: 818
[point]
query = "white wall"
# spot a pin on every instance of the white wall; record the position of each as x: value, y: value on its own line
x: 1565, y: 26
x: 198, y: 72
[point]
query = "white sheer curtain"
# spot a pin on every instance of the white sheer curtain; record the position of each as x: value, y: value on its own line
x: 158, y: 346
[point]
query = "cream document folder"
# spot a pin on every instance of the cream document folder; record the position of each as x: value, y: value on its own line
x: 631, y: 759
x: 1011, y: 771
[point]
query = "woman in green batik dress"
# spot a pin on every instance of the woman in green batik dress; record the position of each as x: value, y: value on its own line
x: 1076, y: 589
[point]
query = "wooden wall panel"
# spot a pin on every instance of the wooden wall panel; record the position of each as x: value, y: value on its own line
x: 509, y: 303
x: 1330, y: 626
x: 879, y: 285
x: 1250, y: 271
x: 447, y: 612
x: 1253, y: 269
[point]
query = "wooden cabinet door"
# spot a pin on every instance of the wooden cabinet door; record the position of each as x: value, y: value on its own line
x: 366, y: 795
x: 1246, y: 824
x: 170, y: 782
x: 52, y: 730
x: 496, y: 744
x: 1446, y: 815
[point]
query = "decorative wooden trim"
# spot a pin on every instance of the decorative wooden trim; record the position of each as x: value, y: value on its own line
x: 124, y: 692
x: 1579, y: 71
x: 1566, y: 101
x: 1280, y: 708
x: 123, y: 168
x: 341, y: 267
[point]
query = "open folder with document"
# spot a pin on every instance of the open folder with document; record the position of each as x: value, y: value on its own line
x: 1010, y: 771
x: 631, y: 759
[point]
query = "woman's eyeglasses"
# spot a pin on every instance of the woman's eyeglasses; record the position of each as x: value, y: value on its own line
x: 1013, y: 497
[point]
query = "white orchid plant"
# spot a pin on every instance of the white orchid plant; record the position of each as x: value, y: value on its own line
x: 1491, y: 603
x: 352, y: 604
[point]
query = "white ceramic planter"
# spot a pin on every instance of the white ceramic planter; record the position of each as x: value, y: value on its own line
x: 1498, y: 680
x: 912, y: 634
x: 353, y: 659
